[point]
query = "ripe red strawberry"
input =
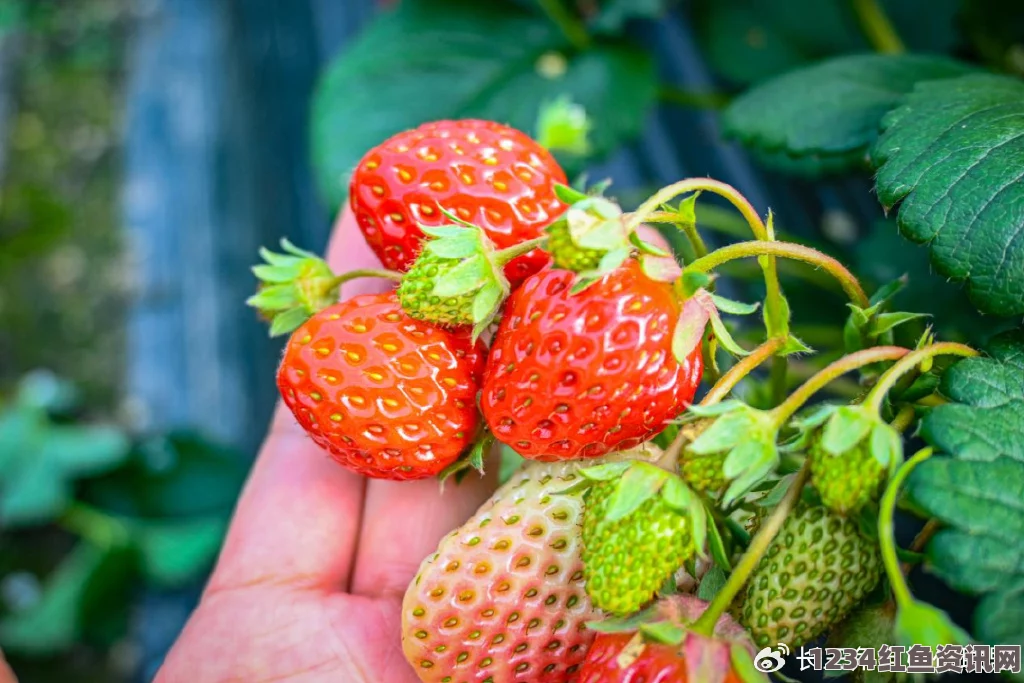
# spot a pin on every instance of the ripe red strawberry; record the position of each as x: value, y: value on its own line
x: 483, y: 172
x: 664, y: 651
x: 502, y: 599
x: 387, y: 396
x: 580, y: 375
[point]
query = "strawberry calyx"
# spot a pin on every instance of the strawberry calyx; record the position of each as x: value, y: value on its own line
x: 458, y: 278
x: 296, y: 284
x: 472, y: 459
x: 592, y: 239
x: 743, y: 438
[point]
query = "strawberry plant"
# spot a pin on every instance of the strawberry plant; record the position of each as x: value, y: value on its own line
x: 720, y: 422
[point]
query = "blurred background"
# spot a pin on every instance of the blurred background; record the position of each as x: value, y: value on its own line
x: 149, y: 147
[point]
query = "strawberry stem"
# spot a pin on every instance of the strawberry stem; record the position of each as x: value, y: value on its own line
x: 853, y: 361
x: 505, y: 255
x: 920, y: 541
x: 339, y: 280
x: 705, y: 625
x: 798, y: 252
x: 907, y: 364
x: 877, y: 27
x: 727, y: 382
x: 886, y: 533
x: 776, y: 315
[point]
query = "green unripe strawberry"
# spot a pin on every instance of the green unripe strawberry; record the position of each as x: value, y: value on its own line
x: 416, y: 292
x: 457, y: 278
x: 814, y: 573
x: 566, y: 254
x: 639, y: 526
x: 851, y: 452
x: 849, y: 481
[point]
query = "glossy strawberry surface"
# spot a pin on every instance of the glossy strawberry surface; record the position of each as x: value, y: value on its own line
x: 483, y: 172
x: 581, y: 375
x: 387, y: 396
x: 656, y: 664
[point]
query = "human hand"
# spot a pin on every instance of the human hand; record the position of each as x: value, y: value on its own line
x: 309, y: 583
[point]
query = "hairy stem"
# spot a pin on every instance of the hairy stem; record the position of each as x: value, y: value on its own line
x: 886, y: 532
x: 776, y: 317
x: 797, y: 252
x: 339, y: 280
x: 757, y: 548
x: 903, y: 419
x: 506, y: 255
x: 877, y: 27
x: 907, y: 364
x: 727, y: 382
x: 853, y: 361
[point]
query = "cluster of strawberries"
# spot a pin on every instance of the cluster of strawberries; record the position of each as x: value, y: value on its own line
x: 474, y: 221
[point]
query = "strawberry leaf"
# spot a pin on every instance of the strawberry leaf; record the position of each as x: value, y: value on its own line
x: 638, y: 485
x: 822, y: 118
x: 975, y: 489
x: 450, y: 59
x: 951, y: 156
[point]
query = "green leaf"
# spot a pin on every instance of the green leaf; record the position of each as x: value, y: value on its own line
x: 975, y: 491
x: 751, y: 40
x: 663, y: 632
x: 486, y: 302
x: 724, y: 337
x: 638, y: 484
x: 172, y: 553
x: 951, y: 156
x: 712, y: 582
x: 733, y: 307
x: 444, y: 59
x: 919, y: 623
x: 569, y: 195
x: 288, y: 322
x: 175, y: 475
x: 846, y: 427
x: 823, y: 118
x: 54, y: 622
x: 465, y: 277
x: 460, y: 246
x: 40, y: 459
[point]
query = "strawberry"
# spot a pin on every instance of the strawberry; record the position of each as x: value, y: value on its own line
x: 640, y: 525
x: 579, y: 375
x: 502, y: 599
x: 816, y: 570
x: 658, y: 648
x: 851, y: 452
x: 483, y: 172
x: 387, y: 396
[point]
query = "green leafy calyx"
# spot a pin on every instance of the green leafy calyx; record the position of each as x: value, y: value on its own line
x: 294, y: 284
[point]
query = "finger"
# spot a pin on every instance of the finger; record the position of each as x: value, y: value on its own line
x: 404, y: 521
x: 298, y: 518
x: 6, y: 675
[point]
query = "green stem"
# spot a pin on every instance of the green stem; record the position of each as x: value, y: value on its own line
x: 903, y: 419
x: 727, y: 382
x: 339, y: 280
x: 777, y: 377
x: 886, y: 532
x: 776, y: 317
x: 757, y: 548
x: 789, y: 250
x: 877, y: 27
x: 505, y: 255
x: 853, y: 361
x: 673, y: 94
x: 700, y: 248
x: 907, y: 364
x: 99, y: 528
x: 571, y: 27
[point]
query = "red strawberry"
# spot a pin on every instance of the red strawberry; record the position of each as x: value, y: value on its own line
x: 483, y: 172
x: 580, y: 375
x: 387, y: 396
x: 664, y: 651
x: 502, y: 599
